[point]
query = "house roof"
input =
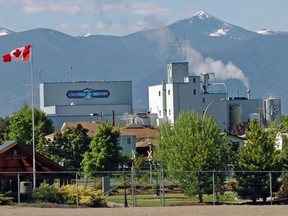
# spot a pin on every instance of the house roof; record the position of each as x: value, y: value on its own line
x: 145, y: 143
x: 242, y: 137
x: 91, y: 126
x: 16, y: 157
x: 130, y: 129
x: 140, y: 131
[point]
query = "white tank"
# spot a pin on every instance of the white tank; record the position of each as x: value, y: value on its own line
x: 272, y: 110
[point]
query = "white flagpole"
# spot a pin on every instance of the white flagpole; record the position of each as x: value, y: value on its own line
x: 33, y: 118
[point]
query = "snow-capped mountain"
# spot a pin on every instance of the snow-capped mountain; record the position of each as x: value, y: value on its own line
x: 4, y: 31
x: 269, y: 32
x: 142, y: 58
x: 266, y: 32
x: 209, y: 25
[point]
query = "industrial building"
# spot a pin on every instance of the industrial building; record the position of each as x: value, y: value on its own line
x: 184, y: 92
x: 98, y: 101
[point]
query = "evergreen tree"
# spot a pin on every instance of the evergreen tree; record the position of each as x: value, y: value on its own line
x: 104, y: 151
x: 259, y: 154
x: 190, y: 150
x: 284, y: 123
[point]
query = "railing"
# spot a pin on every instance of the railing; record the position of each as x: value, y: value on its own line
x: 132, y: 183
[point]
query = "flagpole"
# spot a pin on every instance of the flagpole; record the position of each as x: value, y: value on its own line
x: 33, y: 119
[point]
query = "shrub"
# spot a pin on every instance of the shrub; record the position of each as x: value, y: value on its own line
x: 5, y: 200
x: 87, y: 196
x: 47, y: 193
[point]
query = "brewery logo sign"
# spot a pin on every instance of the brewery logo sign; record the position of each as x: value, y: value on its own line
x: 88, y: 93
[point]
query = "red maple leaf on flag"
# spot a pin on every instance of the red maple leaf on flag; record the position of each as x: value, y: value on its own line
x: 17, y: 53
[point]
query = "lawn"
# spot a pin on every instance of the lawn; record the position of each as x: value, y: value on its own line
x: 151, y: 200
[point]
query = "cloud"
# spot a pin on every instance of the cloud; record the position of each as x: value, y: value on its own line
x: 116, y: 16
x: 198, y: 64
x: 74, y: 27
x: 149, y: 22
x: 129, y: 7
x: 98, y: 7
x: 52, y: 6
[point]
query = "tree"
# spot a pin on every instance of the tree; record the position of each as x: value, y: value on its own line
x: 284, y: 123
x: 259, y: 154
x: 104, y: 151
x: 69, y: 146
x: 190, y: 150
x: 4, y: 128
x: 21, y: 125
x: 240, y: 128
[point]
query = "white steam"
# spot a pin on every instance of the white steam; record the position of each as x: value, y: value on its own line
x: 198, y: 64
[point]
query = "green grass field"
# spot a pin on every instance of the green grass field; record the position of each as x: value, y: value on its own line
x: 169, y: 199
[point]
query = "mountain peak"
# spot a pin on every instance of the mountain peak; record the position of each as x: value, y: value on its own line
x: 4, y: 31
x: 202, y: 15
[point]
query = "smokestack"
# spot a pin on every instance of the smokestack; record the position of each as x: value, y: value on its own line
x: 248, y: 94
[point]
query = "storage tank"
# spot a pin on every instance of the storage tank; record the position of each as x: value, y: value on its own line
x: 272, y: 110
x: 235, y: 115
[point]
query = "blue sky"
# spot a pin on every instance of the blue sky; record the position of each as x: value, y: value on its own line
x: 121, y: 17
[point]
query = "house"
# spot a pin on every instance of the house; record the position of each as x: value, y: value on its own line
x: 145, y: 137
x: 16, y: 161
x: 236, y: 141
x: 130, y: 133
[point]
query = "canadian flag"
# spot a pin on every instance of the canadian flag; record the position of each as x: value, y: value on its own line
x: 18, y: 54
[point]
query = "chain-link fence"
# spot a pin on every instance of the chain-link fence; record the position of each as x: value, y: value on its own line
x: 134, y: 187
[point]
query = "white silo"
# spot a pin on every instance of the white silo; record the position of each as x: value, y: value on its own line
x: 272, y: 110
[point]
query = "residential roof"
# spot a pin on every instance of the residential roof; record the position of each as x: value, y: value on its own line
x: 141, y: 132
x: 91, y: 126
x: 145, y: 143
x: 130, y: 129
x: 16, y: 157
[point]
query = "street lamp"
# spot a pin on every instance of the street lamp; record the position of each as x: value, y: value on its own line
x: 212, y: 102
x: 125, y: 194
x: 124, y: 187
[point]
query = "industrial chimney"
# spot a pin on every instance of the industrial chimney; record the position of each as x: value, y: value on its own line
x: 248, y: 94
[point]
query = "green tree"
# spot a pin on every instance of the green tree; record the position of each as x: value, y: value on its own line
x: 4, y: 128
x: 21, y: 125
x: 190, y: 149
x: 104, y: 151
x: 284, y: 123
x: 69, y: 146
x: 259, y: 154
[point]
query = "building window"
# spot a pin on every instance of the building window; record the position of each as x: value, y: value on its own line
x: 194, y: 79
x: 159, y: 112
x: 159, y: 93
x: 194, y: 91
x: 129, y: 140
x: 203, y: 99
x: 168, y: 91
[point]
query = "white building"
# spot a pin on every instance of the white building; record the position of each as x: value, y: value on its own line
x: 183, y: 92
x: 98, y: 101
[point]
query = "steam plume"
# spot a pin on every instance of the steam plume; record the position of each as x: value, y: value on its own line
x: 198, y: 64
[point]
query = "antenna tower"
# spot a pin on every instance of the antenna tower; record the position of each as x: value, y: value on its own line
x: 176, y: 50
